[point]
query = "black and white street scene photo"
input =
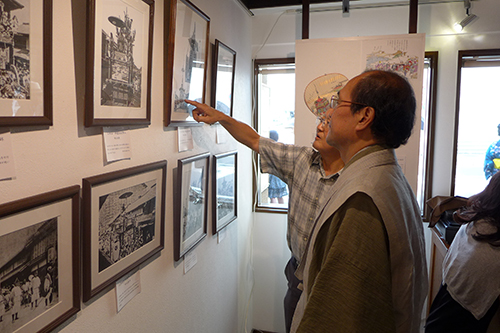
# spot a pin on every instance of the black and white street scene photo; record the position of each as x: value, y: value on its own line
x: 225, y: 187
x: 193, y: 208
x: 126, y: 222
x: 121, y: 66
x: 14, y: 49
x: 28, y: 274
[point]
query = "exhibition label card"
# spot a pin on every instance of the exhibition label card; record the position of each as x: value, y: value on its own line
x: 221, y: 235
x: 7, y: 169
x: 402, y: 163
x: 185, y: 139
x: 126, y: 289
x: 221, y: 135
x: 116, y: 144
x: 190, y: 259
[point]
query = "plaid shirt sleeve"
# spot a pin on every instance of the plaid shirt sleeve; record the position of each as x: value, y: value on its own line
x: 300, y: 168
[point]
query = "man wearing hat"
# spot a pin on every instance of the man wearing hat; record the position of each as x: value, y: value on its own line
x: 308, y: 172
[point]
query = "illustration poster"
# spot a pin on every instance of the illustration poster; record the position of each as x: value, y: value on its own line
x: 350, y: 57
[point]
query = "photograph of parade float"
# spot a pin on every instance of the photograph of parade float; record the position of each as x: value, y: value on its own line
x: 126, y: 222
x: 121, y: 78
x: 28, y: 274
x: 14, y: 49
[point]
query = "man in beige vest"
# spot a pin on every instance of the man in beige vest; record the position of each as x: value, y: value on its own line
x: 364, y: 268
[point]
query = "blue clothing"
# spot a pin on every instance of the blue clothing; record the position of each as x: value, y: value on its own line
x: 277, y: 187
x: 492, y: 153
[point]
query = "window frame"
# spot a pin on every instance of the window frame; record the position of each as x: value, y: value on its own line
x: 257, y: 207
x: 460, y: 65
x: 429, y: 161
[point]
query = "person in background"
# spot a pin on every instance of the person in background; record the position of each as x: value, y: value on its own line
x: 468, y: 297
x: 364, y: 269
x: 16, y: 295
x: 2, y: 305
x: 309, y: 173
x: 492, y: 158
x: 35, y: 286
x: 47, y: 287
x: 277, y: 188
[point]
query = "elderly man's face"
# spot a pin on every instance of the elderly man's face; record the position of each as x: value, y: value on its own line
x: 343, y: 122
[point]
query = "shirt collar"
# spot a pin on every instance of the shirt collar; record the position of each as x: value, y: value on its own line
x: 363, y: 152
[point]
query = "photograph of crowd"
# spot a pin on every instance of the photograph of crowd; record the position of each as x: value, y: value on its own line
x: 28, y: 274
x: 14, y: 49
x: 121, y: 70
x: 126, y: 222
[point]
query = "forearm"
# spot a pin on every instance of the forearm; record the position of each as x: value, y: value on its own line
x: 241, y: 132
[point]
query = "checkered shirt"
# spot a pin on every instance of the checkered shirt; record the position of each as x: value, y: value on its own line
x: 302, y: 170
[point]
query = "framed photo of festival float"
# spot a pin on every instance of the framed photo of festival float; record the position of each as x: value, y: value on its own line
x: 187, y: 31
x: 190, y: 208
x: 119, y: 56
x: 40, y: 261
x: 123, y: 223
x: 26, y: 63
x: 224, y: 199
x: 223, y: 71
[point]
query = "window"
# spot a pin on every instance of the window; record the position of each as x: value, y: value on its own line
x: 424, y: 186
x: 476, y: 122
x: 274, y: 118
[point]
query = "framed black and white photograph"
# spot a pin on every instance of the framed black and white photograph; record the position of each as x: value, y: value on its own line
x: 123, y: 223
x: 40, y: 261
x: 119, y: 56
x: 224, y: 190
x: 186, y: 54
x: 190, y: 222
x: 25, y: 62
x: 223, y: 71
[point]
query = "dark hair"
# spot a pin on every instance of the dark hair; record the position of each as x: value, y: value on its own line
x: 393, y: 99
x: 484, y: 205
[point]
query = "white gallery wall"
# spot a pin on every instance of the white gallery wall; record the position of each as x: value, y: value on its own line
x: 214, y: 295
x: 436, y: 21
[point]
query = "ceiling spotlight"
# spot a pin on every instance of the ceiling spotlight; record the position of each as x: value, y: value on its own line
x: 467, y: 20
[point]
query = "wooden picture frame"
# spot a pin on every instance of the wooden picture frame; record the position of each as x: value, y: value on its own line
x: 187, y: 31
x: 225, y: 190
x: 40, y: 258
x: 223, y: 72
x: 119, y: 58
x: 26, y: 64
x: 123, y: 223
x: 190, y: 221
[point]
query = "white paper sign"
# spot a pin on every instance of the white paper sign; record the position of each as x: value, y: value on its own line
x: 190, y: 259
x: 221, y: 135
x: 221, y: 235
x: 402, y: 163
x: 116, y: 144
x: 7, y: 169
x: 126, y: 289
x: 185, y: 139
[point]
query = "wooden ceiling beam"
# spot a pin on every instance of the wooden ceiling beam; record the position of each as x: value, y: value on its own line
x: 256, y: 4
x: 305, y: 19
x: 412, y: 29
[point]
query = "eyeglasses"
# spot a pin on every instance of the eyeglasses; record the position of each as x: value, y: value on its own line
x: 323, y: 121
x: 335, y: 101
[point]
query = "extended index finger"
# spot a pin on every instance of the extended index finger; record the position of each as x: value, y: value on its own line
x: 195, y: 103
